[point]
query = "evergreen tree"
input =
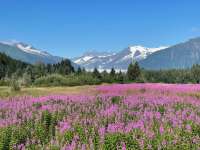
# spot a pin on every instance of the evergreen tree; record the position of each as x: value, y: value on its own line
x: 49, y: 68
x: 39, y: 70
x: 106, y: 77
x: 120, y: 77
x: 195, y: 70
x: 104, y: 74
x: 96, y: 73
x: 79, y: 71
x: 112, y: 72
x: 83, y: 70
x: 112, y: 75
x: 133, y: 71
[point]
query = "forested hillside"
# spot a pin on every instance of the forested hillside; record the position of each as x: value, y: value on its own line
x: 8, y: 66
x: 17, y: 73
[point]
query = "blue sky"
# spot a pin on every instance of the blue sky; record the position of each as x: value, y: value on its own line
x: 70, y: 27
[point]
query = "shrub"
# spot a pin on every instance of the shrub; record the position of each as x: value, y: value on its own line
x: 50, y: 80
x: 4, y: 82
x: 70, y: 80
x: 26, y: 79
x: 15, y: 86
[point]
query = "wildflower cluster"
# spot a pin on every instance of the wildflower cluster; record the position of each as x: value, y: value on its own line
x: 133, y: 116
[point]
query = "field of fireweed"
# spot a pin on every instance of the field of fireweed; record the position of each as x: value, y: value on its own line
x: 132, y: 116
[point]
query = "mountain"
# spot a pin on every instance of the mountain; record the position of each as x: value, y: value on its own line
x: 120, y: 60
x: 27, y: 53
x: 182, y: 55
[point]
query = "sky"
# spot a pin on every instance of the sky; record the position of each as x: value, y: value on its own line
x: 68, y: 28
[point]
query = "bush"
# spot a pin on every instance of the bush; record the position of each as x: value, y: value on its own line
x: 4, y: 82
x: 50, y: 80
x: 15, y: 86
x: 70, y: 80
x: 26, y: 79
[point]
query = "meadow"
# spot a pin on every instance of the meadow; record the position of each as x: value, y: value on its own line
x: 6, y: 92
x: 105, y: 117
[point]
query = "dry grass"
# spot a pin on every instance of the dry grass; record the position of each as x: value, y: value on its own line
x: 41, y: 91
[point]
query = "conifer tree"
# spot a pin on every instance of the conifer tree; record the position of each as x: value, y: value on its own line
x: 133, y: 71
x: 96, y: 73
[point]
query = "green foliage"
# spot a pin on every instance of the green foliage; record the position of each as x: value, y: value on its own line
x: 13, y: 135
x: 133, y: 71
x: 81, y: 133
x: 14, y: 84
x: 195, y: 70
x: 79, y: 71
x: 8, y: 66
x: 37, y: 105
x: 5, y: 138
x: 70, y: 80
x: 120, y: 77
x: 112, y: 72
x: 116, y: 100
x: 46, y: 119
x: 112, y: 140
x: 26, y: 79
x: 69, y: 136
x: 51, y: 80
x: 196, y: 129
x: 4, y: 82
x: 41, y: 133
x: 64, y: 67
x: 161, y: 109
x: 45, y: 129
x: 96, y: 74
x: 63, y: 74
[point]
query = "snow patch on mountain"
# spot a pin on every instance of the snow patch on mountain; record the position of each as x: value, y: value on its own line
x: 25, y: 47
x: 30, y: 49
x: 119, y: 60
x: 139, y: 52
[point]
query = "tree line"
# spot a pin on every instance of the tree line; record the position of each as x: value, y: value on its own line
x: 14, y: 72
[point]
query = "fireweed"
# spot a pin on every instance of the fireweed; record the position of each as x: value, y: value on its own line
x: 132, y: 116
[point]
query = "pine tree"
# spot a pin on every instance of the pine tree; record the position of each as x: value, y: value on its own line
x: 112, y: 75
x: 195, y: 70
x: 96, y: 73
x: 120, y: 77
x: 79, y: 71
x: 112, y: 72
x: 133, y: 71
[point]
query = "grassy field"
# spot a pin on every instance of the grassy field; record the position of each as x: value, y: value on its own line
x: 41, y: 91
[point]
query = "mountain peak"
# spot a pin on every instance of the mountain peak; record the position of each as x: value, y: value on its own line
x: 27, y: 48
x: 27, y: 53
x: 30, y: 49
x: 179, y: 56
x: 119, y: 60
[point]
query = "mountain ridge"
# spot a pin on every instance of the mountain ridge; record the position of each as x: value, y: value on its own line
x: 28, y: 53
x: 179, y: 56
x: 118, y: 60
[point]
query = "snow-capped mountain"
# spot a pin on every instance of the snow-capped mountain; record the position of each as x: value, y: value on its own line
x: 92, y: 57
x: 179, y: 56
x: 120, y: 60
x: 28, y: 53
x: 29, y: 49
